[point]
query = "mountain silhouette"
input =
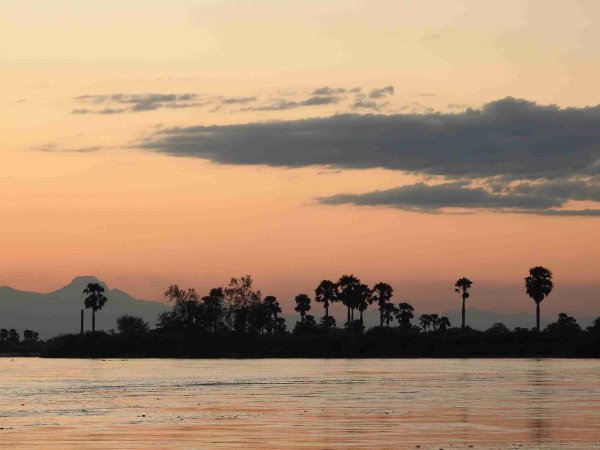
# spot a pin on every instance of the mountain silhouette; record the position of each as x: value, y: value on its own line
x: 59, y: 311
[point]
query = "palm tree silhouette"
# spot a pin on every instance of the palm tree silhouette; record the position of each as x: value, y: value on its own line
x: 95, y: 299
x: 404, y: 314
x: 435, y: 321
x: 302, y: 305
x: 443, y: 323
x: 381, y: 294
x: 326, y: 293
x: 462, y: 286
x: 360, y: 299
x: 389, y: 310
x: 538, y: 286
x: 272, y: 309
x: 345, y: 286
x: 425, y: 321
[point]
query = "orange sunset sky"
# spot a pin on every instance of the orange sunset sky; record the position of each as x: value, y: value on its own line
x: 151, y: 142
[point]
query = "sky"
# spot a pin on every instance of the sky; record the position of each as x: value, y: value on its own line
x: 152, y: 143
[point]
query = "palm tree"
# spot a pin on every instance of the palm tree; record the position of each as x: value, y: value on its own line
x: 389, y: 310
x: 462, y: 286
x: 345, y: 286
x: 360, y: 299
x: 326, y: 293
x: 435, y: 321
x: 382, y: 294
x: 273, y: 309
x: 302, y: 305
x: 425, y: 321
x: 538, y: 286
x: 444, y: 323
x: 95, y: 299
x: 404, y: 314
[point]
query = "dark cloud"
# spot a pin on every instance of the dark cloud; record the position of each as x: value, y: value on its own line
x: 580, y: 189
x: 541, y: 197
x: 382, y: 92
x: 432, y: 198
x: 525, y: 156
x: 510, y: 138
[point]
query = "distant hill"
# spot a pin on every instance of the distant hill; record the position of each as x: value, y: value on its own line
x: 59, y: 311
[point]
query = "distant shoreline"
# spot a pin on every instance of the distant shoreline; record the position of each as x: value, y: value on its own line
x: 375, y: 343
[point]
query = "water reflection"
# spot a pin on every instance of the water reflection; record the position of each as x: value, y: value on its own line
x: 540, y: 427
x: 299, y: 403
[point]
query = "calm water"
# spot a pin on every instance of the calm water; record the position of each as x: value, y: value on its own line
x: 299, y: 403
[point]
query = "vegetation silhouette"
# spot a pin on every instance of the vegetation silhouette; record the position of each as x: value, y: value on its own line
x: 95, y: 300
x: 131, y: 324
x: 462, y: 287
x: 302, y: 305
x: 326, y: 293
x: 236, y: 321
x: 382, y: 294
x: 538, y: 286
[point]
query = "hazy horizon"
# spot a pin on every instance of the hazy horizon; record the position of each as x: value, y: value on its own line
x: 408, y: 142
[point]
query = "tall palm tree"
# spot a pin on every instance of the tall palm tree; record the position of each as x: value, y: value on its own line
x: 404, y: 314
x: 389, y: 310
x: 95, y: 299
x: 425, y: 321
x: 538, y: 286
x: 302, y: 305
x: 345, y: 286
x: 462, y: 287
x: 326, y: 293
x: 360, y: 300
x: 381, y: 294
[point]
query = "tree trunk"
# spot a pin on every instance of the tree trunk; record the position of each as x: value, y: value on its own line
x: 326, y: 310
x: 93, y: 320
x: 381, y: 317
x: 82, y: 321
x: 348, y: 314
x: 361, y: 318
x: 537, y: 315
x: 463, y: 314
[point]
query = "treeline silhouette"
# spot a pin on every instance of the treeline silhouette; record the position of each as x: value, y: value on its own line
x: 237, y: 321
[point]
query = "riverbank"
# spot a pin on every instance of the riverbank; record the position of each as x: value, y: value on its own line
x: 375, y: 343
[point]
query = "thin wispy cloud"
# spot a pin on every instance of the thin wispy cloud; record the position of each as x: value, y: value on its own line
x: 120, y: 103
x: 54, y: 148
x: 382, y: 92
x: 280, y: 105
x: 135, y: 102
